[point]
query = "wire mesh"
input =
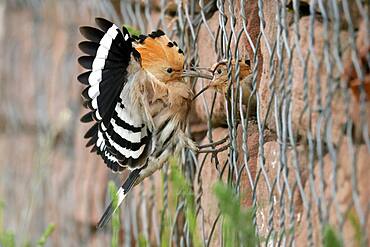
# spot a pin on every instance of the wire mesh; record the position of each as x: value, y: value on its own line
x: 299, y: 55
x: 301, y: 159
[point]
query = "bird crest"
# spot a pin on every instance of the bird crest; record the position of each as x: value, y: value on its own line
x: 160, y: 56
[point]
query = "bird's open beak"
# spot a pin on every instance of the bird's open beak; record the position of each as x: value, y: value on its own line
x: 200, y: 73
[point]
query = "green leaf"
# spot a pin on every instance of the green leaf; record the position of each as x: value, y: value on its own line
x: 132, y: 30
x: 238, y: 227
x: 2, y: 205
x: 331, y: 238
x: 116, y: 225
x: 143, y: 242
x: 7, y: 239
x: 355, y: 222
x: 166, y: 231
x: 182, y: 189
x: 46, y: 234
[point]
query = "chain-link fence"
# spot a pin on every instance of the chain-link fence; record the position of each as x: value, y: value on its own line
x: 300, y: 158
x: 310, y: 65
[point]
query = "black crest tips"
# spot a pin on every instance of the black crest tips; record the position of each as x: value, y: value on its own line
x: 160, y: 33
x: 152, y: 35
x: 180, y: 51
x: 156, y: 34
x: 170, y: 44
x: 142, y: 38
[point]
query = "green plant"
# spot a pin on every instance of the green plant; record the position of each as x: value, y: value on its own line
x: 355, y: 222
x: 48, y: 231
x: 116, y: 224
x: 166, y: 230
x: 143, y: 242
x: 182, y: 188
x: 7, y: 238
x: 331, y: 238
x: 132, y: 30
x: 238, y: 228
x: 181, y: 191
x: 166, y: 223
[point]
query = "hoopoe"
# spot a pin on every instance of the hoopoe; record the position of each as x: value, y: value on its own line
x: 218, y: 77
x: 138, y: 101
x: 219, y: 80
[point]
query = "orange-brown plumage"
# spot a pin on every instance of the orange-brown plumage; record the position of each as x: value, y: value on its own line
x: 160, y: 54
x: 220, y: 76
x: 220, y: 80
x: 165, y: 89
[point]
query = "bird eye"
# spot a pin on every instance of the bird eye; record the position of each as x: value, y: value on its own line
x: 169, y: 70
x: 219, y: 71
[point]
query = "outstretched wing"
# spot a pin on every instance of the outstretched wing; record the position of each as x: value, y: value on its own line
x: 119, y: 134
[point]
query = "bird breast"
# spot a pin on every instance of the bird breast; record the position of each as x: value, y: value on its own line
x: 168, y: 105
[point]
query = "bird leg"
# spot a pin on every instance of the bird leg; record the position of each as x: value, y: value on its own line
x: 216, y: 150
x: 215, y: 143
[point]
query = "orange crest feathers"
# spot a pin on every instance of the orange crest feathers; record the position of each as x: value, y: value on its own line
x: 160, y: 56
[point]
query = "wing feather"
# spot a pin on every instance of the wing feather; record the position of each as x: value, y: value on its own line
x: 118, y: 134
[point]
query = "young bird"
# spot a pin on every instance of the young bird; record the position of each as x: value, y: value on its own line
x: 220, y: 81
x: 137, y: 98
x: 220, y: 78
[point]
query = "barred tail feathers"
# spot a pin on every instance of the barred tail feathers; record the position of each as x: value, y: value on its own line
x: 121, y: 194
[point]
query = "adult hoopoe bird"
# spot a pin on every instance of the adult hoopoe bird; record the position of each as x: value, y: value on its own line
x: 137, y: 98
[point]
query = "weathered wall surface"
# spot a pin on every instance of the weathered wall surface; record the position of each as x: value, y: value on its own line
x: 46, y: 175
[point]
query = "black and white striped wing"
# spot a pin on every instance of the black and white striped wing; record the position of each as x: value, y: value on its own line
x: 118, y: 134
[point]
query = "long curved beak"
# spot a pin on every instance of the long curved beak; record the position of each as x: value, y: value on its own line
x: 198, y: 73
